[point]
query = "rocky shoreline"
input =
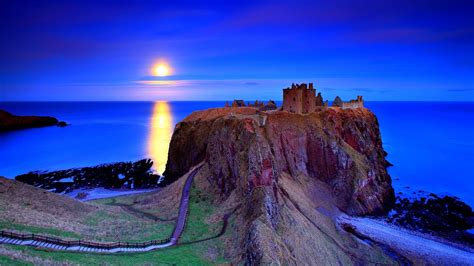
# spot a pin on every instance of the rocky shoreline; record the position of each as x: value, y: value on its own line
x: 442, y: 216
x: 129, y: 175
x: 9, y: 121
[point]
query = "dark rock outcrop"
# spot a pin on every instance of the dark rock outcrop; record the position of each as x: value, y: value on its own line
x: 433, y: 214
x: 117, y: 175
x: 9, y: 121
x: 62, y: 124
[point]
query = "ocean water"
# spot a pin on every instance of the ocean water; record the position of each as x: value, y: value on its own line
x: 431, y: 144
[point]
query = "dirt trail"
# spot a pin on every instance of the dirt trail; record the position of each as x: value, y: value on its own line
x: 183, y: 207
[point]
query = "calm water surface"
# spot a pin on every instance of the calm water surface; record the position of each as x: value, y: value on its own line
x: 430, y: 144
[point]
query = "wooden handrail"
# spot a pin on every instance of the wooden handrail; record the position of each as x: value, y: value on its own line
x: 61, y: 242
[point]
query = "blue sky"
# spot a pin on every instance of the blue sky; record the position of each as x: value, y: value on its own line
x: 220, y: 50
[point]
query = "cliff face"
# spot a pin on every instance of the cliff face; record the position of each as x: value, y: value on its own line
x: 342, y: 148
x: 290, y: 175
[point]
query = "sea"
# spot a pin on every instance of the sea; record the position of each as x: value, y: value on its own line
x: 430, y: 144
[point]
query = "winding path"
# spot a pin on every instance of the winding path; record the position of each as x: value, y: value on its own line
x: 225, y: 223
x: 101, y: 247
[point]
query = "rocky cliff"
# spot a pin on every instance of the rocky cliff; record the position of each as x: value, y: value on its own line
x: 9, y: 121
x: 289, y: 176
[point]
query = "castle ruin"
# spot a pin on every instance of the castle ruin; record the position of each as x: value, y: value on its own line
x: 301, y: 98
x: 357, y: 103
x: 261, y: 106
x: 238, y: 103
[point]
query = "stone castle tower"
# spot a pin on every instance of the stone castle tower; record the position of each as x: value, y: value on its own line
x: 301, y: 99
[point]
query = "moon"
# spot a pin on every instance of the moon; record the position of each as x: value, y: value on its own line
x: 161, y: 70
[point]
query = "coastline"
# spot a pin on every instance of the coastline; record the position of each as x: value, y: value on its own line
x: 52, y: 148
x: 10, y: 122
x: 385, y: 232
x: 408, y: 242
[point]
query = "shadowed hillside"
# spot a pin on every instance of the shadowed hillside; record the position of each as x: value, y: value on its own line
x: 25, y: 208
x: 131, y: 218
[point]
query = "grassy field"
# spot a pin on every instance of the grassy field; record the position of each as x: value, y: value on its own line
x: 5, y: 260
x: 102, y: 225
x: 27, y: 209
x: 189, y: 252
x: 37, y: 230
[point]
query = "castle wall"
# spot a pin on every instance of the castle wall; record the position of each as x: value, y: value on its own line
x: 309, y: 100
x: 358, y: 103
x: 303, y: 99
x: 238, y: 103
x: 319, y: 100
x: 292, y: 99
x: 299, y: 99
x: 349, y: 105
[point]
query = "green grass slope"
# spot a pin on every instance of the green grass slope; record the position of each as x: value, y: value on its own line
x: 131, y: 215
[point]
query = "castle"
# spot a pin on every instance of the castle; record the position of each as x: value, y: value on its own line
x: 301, y: 99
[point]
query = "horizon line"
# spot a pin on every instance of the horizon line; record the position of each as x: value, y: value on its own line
x: 77, y: 101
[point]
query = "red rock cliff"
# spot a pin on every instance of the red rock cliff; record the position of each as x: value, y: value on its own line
x: 245, y: 149
x: 288, y: 177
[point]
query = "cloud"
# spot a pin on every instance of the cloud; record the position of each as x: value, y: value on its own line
x: 251, y: 83
x: 155, y: 78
